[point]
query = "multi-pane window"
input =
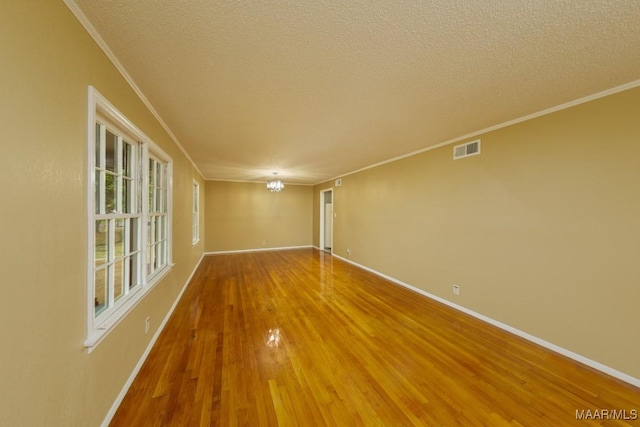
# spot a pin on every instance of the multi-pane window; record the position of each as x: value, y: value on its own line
x: 195, y: 214
x: 157, y: 239
x: 129, y: 199
x: 117, y: 217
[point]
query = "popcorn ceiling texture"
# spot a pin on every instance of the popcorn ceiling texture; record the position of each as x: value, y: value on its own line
x: 317, y: 88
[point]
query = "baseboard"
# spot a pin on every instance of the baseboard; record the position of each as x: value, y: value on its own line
x: 548, y: 345
x: 323, y: 250
x: 239, y: 251
x: 145, y: 354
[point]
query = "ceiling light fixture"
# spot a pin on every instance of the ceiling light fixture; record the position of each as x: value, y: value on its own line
x: 276, y: 185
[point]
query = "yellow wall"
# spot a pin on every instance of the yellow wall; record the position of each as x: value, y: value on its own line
x: 241, y: 215
x: 47, y: 377
x: 541, y: 231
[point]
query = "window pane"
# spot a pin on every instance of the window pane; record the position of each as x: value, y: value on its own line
x: 164, y: 200
x: 159, y: 228
x: 101, y: 251
x: 119, y: 243
x: 126, y: 274
x: 98, y: 192
x: 156, y: 258
x: 100, y: 290
x: 159, y: 175
x: 195, y: 198
x: 133, y: 235
x: 150, y: 259
x: 194, y: 226
x: 152, y: 180
x: 133, y: 270
x: 150, y: 231
x: 158, y: 199
x: 98, y: 153
x: 127, y: 160
x: 138, y: 194
x: 150, y: 244
x: 110, y: 193
x: 126, y: 196
x: 118, y: 287
x: 151, y: 199
x: 126, y: 238
x: 110, y: 152
x: 163, y: 254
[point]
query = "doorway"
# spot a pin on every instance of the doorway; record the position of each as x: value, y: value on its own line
x: 326, y: 220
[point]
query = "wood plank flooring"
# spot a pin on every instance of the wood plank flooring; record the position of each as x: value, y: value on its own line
x: 301, y: 338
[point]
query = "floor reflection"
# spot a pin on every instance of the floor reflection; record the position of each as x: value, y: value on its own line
x: 272, y: 338
x: 326, y: 276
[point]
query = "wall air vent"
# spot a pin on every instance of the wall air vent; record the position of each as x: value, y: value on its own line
x: 465, y: 150
x: 338, y: 182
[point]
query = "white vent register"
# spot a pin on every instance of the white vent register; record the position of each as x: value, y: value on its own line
x: 466, y: 150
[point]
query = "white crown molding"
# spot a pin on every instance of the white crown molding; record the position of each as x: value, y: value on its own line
x: 612, y: 91
x: 84, y: 21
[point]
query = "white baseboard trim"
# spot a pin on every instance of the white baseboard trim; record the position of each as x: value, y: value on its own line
x: 145, y: 354
x: 239, y: 251
x: 323, y: 250
x: 557, y: 349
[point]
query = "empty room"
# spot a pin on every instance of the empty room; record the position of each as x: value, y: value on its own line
x: 320, y: 213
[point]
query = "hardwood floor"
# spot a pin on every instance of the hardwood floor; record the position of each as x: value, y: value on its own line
x: 301, y: 338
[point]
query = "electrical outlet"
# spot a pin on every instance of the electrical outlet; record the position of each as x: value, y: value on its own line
x: 456, y: 290
x: 264, y: 243
x: 348, y: 251
x: 147, y: 324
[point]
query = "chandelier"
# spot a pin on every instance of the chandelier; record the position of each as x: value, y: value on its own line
x: 275, y: 185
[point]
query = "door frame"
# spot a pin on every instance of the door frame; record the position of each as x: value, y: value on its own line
x: 323, y: 194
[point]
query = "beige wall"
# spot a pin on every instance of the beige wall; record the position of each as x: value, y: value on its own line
x: 244, y: 215
x: 540, y: 231
x: 47, y: 377
x: 241, y: 215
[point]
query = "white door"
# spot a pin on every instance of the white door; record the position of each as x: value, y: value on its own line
x: 328, y: 225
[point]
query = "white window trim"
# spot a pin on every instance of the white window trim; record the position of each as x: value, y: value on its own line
x: 147, y: 156
x: 195, y: 213
x: 98, y: 329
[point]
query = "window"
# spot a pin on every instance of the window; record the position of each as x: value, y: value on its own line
x: 116, y: 221
x: 130, y: 187
x: 157, y: 239
x: 195, y: 215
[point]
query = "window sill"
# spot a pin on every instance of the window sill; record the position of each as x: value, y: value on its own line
x: 97, y: 335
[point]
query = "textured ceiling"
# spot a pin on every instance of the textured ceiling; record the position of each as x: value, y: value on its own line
x: 313, y: 89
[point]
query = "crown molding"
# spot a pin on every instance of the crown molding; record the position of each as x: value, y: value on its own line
x: 598, y: 95
x: 88, y: 26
